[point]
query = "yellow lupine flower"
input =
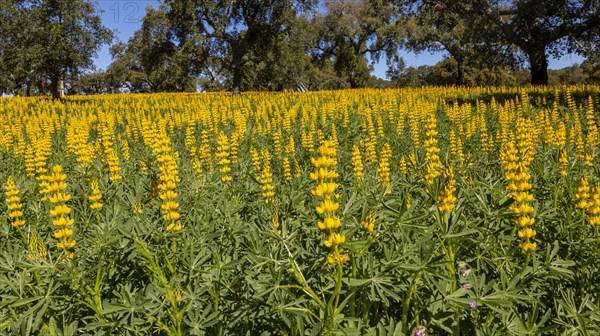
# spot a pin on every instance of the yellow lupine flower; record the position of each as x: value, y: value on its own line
x: 63, y: 221
x: 37, y: 249
x: 368, y: 223
x: 593, y: 209
x: 223, y: 157
x: 446, y: 199
x: 168, y: 194
x: 327, y: 206
x: 337, y: 259
x: 169, y: 205
x: 266, y: 181
x: 324, y: 165
x: 583, y: 194
x: 383, y: 170
x: 63, y: 233
x: 287, y: 169
x: 322, y: 174
x: 329, y: 223
x: 325, y: 188
x: 66, y: 244
x: 357, y: 162
x: 563, y: 162
x: 171, y: 216
x: 334, y: 239
x: 95, y: 196
x: 61, y: 211
x: 515, y: 164
x: 59, y: 198
x: 526, y: 246
x: 526, y: 233
x: 137, y: 208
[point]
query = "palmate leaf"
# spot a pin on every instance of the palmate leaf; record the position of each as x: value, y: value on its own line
x: 559, y: 267
x: 577, y: 315
x: 385, y: 288
x: 530, y: 323
x: 200, y: 320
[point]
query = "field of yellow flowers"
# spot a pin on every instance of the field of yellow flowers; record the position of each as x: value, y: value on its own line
x: 430, y: 211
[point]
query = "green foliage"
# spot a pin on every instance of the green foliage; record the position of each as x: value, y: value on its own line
x: 45, y: 42
x: 151, y: 61
x: 293, y: 45
x: 445, y: 73
x: 352, y: 30
x: 235, y: 31
x: 231, y: 271
x: 443, y: 26
x: 537, y: 28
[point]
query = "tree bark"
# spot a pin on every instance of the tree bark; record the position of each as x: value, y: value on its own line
x: 54, y: 86
x: 236, y: 87
x: 538, y: 65
x: 460, y: 72
x: 352, y: 80
x: 42, y: 87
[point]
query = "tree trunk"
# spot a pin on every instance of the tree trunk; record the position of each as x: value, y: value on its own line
x: 237, y: 79
x: 42, y: 87
x: 460, y: 72
x: 54, y: 86
x: 538, y: 65
x: 352, y: 80
x: 236, y: 86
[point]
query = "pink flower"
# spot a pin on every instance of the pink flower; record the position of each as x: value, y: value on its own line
x: 420, y: 331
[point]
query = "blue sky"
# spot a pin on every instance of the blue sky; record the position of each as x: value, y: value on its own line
x: 125, y: 17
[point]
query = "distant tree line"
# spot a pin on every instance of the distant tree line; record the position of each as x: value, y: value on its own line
x: 44, y: 43
x: 274, y: 45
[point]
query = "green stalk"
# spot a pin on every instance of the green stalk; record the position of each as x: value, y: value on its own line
x: 407, y: 299
x: 338, y: 286
x: 452, y: 271
x: 98, y: 282
x: 352, y: 302
x: 448, y: 251
x: 301, y: 279
x: 215, y: 299
x: 366, y: 312
x: 97, y: 287
x: 333, y: 303
x: 527, y: 258
x: 85, y: 290
x: 556, y: 193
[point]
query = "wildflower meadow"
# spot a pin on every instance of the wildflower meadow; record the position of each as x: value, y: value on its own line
x: 421, y: 211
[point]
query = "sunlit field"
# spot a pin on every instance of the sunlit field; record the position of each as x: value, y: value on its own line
x: 431, y: 211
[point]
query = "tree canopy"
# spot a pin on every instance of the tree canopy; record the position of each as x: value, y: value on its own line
x: 186, y: 45
x: 539, y: 28
x: 47, y: 41
x: 234, y: 32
